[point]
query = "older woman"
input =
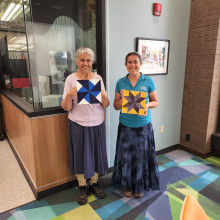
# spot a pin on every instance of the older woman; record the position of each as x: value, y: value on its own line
x: 135, y: 165
x: 87, y: 141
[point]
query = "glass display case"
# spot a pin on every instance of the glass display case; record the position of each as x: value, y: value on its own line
x: 38, y: 43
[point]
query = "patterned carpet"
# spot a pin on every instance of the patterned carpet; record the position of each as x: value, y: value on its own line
x: 181, y: 173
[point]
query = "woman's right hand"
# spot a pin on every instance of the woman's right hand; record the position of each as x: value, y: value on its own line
x: 118, y: 99
x: 73, y: 92
x: 67, y: 102
x: 122, y: 93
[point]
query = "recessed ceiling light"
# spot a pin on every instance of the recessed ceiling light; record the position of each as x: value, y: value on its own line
x: 7, y: 11
x: 13, y: 12
x: 12, y: 39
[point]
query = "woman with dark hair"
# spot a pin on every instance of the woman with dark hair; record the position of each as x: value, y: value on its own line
x: 87, y: 140
x: 135, y: 167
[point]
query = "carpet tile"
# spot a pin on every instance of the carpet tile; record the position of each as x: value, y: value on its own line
x: 179, y: 156
x: 192, y: 162
x: 159, y: 206
x: 196, y: 169
x: 133, y: 213
x: 181, y: 174
x: 214, y: 160
x: 113, y: 210
x: 141, y: 217
x: 210, y: 207
x: 18, y: 215
x: 212, y: 191
x: 84, y: 212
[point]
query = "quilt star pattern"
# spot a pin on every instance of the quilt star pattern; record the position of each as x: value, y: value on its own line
x: 88, y: 91
x: 133, y: 102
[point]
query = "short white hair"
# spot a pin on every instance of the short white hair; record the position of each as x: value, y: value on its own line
x: 81, y: 51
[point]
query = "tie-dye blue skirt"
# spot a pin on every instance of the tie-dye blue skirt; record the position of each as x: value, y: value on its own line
x: 135, y: 164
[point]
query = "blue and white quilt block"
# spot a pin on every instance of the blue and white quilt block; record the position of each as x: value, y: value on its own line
x: 88, y: 91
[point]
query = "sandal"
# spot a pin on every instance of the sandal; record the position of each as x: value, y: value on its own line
x: 127, y: 193
x: 138, y: 195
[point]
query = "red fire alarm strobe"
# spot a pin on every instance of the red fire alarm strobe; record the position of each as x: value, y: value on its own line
x: 157, y: 9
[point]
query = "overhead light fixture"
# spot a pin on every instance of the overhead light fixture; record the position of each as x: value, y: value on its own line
x: 28, y: 47
x: 19, y: 11
x: 13, y: 12
x: 7, y: 11
x: 12, y: 39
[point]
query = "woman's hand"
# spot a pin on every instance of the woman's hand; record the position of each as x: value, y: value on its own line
x: 104, y: 94
x: 145, y: 109
x: 122, y: 93
x: 105, y: 101
x: 153, y: 102
x: 118, y: 99
x: 67, y: 102
x: 73, y: 92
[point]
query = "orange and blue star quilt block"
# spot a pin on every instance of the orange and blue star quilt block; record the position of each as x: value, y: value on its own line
x: 133, y: 102
x: 88, y: 91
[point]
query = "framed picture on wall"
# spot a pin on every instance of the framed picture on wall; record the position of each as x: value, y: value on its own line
x: 155, y: 54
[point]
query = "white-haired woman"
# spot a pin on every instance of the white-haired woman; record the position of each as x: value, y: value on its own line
x: 87, y: 140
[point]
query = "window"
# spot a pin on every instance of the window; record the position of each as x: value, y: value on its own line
x: 46, y: 43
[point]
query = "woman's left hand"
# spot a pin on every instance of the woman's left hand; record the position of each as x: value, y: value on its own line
x: 153, y: 102
x: 105, y: 101
x: 104, y: 94
x: 146, y: 109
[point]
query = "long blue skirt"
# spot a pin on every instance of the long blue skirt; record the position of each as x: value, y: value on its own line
x: 135, y: 165
x: 87, y: 149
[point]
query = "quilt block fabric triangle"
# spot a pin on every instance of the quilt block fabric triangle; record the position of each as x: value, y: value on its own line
x: 88, y: 91
x: 133, y: 102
